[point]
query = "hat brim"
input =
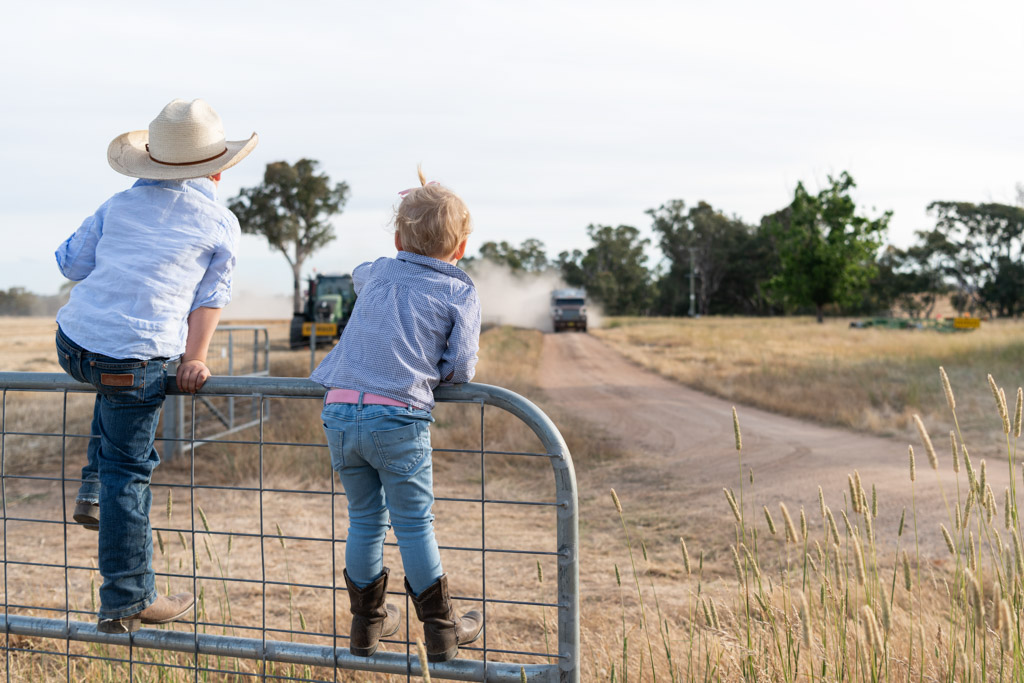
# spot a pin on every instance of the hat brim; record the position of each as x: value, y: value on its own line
x: 127, y: 155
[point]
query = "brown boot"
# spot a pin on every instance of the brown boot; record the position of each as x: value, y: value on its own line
x: 442, y: 630
x: 87, y: 514
x: 164, y: 610
x: 372, y: 619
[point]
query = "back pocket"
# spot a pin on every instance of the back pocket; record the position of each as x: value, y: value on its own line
x: 402, y: 450
x: 120, y: 382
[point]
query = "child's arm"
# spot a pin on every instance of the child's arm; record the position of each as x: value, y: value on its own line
x: 193, y: 373
x: 458, y: 363
x: 76, y: 257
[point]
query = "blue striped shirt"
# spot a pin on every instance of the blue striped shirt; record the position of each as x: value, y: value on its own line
x: 416, y: 323
x: 146, y: 259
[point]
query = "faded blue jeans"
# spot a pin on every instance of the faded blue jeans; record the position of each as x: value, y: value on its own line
x: 382, y: 456
x: 129, y: 395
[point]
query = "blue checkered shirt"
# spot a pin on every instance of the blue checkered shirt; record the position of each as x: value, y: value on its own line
x: 416, y: 323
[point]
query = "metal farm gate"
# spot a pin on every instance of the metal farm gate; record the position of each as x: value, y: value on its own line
x: 253, y: 525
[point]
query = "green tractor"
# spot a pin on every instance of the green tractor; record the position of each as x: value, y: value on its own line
x: 328, y: 305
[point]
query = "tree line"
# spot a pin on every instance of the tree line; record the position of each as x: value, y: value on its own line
x: 819, y: 253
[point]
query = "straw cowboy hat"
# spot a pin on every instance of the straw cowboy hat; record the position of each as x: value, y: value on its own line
x: 186, y: 140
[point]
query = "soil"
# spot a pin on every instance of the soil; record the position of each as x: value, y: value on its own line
x: 684, y: 447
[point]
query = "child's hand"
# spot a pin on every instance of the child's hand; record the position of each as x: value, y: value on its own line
x: 192, y: 374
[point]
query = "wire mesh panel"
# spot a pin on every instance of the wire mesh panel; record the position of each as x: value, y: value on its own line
x: 255, y: 526
x: 235, y: 351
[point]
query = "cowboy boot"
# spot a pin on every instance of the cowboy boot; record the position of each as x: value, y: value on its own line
x: 164, y: 610
x: 442, y: 630
x: 371, y: 618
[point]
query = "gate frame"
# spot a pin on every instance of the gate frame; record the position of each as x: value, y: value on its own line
x: 567, y: 670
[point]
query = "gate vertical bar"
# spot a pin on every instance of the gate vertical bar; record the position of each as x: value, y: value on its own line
x: 3, y: 495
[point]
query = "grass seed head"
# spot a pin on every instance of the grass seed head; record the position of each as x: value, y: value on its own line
x: 949, y: 540
x: 1003, y: 413
x: 821, y: 502
x: 858, y: 560
x: 913, y: 466
x: 903, y: 518
x: 874, y: 501
x: 886, y: 609
x: 1006, y: 625
x: 732, y: 504
x: 169, y: 504
x: 160, y: 541
x: 1017, y: 555
x: 1017, y: 413
x: 1007, y: 510
x: 947, y: 389
x: 768, y: 518
x: 954, y: 449
x: 805, y: 620
x: 790, y: 529
x: 832, y: 525
x: 958, y: 521
x: 736, y: 564
x: 933, y: 459
x: 907, y: 577
x: 871, y: 634
x: 803, y: 523
x: 976, y: 598
x: 854, y: 493
x: 618, y: 577
x: 615, y: 499
x: 736, y: 429
x: 206, y: 522
x: 682, y: 547
x: 846, y: 521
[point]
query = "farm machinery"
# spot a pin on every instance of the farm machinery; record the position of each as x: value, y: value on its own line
x: 963, y: 324
x: 327, y: 306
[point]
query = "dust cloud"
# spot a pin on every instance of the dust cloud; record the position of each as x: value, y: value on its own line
x: 252, y: 305
x: 519, y: 299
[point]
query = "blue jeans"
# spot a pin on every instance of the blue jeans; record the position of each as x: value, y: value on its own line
x: 130, y: 394
x: 382, y: 456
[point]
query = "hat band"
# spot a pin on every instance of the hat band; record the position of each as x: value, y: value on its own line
x: 185, y: 163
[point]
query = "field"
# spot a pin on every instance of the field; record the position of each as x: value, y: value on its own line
x: 869, y: 380
x: 681, y: 581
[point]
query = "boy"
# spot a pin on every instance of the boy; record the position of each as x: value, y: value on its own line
x: 155, y: 265
x: 416, y: 323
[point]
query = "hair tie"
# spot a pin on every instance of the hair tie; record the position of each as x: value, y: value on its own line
x: 405, y: 192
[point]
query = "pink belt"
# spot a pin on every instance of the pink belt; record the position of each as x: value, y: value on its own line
x: 352, y: 396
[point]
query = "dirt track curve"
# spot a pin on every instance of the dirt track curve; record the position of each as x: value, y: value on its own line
x: 684, y: 439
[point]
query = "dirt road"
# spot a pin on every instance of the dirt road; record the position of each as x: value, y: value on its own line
x: 684, y: 448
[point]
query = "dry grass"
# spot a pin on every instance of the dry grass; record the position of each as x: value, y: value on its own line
x: 214, y: 522
x: 705, y: 624
x: 867, y: 379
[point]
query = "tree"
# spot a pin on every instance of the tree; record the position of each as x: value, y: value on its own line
x: 292, y: 208
x: 528, y: 257
x: 826, y: 250
x: 613, y: 270
x: 719, y: 246
x: 978, y: 248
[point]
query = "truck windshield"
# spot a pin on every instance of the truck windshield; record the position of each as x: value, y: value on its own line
x: 568, y: 302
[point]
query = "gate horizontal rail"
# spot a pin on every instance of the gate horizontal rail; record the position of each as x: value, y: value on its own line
x: 564, y: 667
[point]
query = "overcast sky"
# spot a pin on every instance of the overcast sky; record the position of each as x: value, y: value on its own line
x: 544, y: 116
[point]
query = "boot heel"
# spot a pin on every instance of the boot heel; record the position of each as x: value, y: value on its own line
x: 445, y: 656
x: 128, y: 625
x: 363, y: 651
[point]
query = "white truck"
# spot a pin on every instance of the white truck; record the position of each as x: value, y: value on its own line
x: 569, y: 309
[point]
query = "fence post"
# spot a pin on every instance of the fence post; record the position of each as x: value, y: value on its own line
x: 174, y: 427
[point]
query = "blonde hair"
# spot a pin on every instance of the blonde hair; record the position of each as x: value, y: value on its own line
x: 432, y: 220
